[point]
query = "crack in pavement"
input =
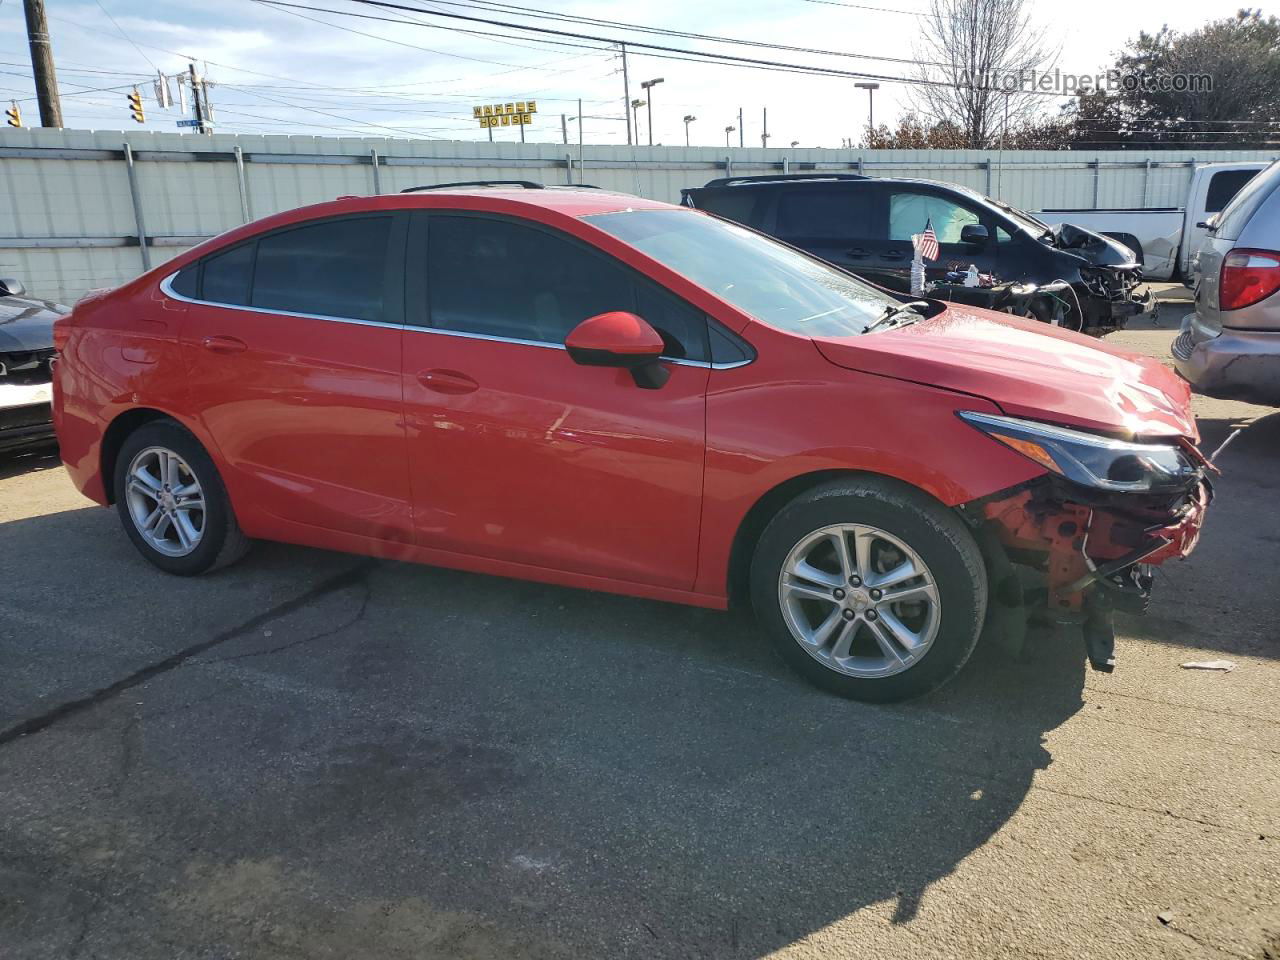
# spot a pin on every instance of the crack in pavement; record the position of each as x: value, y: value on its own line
x: 356, y: 618
x: 43, y: 721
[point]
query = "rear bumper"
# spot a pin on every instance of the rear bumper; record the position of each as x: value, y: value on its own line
x: 1231, y: 364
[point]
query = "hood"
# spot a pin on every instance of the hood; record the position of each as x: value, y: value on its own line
x: 1094, y: 247
x: 27, y: 324
x: 1028, y: 369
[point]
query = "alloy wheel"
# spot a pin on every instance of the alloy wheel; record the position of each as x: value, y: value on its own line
x: 166, y: 502
x: 859, y: 600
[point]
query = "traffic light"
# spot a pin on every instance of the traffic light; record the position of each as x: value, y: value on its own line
x: 135, y: 106
x: 14, y: 113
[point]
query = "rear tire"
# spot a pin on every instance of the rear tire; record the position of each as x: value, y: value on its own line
x: 894, y: 613
x: 172, y: 503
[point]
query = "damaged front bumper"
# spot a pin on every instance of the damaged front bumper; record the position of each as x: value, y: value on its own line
x: 1090, y: 552
x: 1111, y: 297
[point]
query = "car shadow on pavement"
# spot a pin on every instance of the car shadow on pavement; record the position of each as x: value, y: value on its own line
x: 14, y: 463
x: 571, y: 774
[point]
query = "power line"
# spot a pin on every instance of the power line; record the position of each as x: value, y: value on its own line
x: 126, y: 36
x: 652, y: 50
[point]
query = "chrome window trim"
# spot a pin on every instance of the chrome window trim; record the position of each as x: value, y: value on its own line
x: 166, y: 287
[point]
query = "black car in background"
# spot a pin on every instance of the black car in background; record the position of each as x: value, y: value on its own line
x: 865, y: 225
x: 26, y: 367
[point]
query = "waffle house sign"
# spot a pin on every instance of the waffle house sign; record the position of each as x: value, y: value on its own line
x: 506, y: 114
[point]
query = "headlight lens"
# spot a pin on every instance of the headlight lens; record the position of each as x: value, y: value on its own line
x: 1089, y: 459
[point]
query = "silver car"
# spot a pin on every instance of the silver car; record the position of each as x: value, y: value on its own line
x: 1230, y: 346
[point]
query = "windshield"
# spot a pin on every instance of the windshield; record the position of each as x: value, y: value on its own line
x: 773, y: 283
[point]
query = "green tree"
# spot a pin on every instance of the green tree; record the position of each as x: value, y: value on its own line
x: 1239, y: 55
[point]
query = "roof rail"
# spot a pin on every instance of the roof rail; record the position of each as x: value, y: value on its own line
x: 526, y: 184
x: 781, y: 177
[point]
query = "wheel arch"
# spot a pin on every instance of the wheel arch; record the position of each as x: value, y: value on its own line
x: 117, y: 432
x: 767, y: 506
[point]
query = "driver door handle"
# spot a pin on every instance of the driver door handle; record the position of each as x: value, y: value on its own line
x: 447, y: 381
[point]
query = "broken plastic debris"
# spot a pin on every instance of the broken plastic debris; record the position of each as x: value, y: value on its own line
x: 1226, y: 666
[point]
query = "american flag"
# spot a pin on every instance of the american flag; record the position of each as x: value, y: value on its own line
x: 927, y: 243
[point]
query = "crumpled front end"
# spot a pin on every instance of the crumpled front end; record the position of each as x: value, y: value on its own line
x: 1091, y: 554
x: 1081, y: 541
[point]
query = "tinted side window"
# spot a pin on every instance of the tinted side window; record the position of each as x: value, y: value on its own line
x: 727, y: 347
x: 737, y: 204
x: 910, y: 212
x: 502, y: 279
x: 225, y: 276
x: 1250, y: 197
x: 838, y: 213
x: 1223, y: 186
x: 187, y: 281
x: 335, y: 268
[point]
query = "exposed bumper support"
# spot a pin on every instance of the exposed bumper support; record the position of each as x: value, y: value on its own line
x: 1095, y: 551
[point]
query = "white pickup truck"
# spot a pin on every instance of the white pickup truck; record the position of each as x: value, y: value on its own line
x: 1166, y: 239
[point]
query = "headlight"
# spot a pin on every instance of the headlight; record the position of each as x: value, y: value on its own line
x: 1089, y: 459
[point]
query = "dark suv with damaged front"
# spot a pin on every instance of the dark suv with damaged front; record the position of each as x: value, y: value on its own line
x: 865, y: 226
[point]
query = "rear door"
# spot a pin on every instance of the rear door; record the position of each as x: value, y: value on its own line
x: 843, y: 223
x: 292, y: 347
x: 517, y: 453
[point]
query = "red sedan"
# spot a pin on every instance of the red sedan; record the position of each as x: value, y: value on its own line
x: 599, y: 391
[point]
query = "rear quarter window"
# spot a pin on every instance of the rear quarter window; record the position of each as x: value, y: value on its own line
x: 1236, y: 214
x: 738, y: 205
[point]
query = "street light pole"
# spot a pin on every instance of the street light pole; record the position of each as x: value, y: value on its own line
x: 635, y: 109
x: 649, y: 85
x: 688, y: 119
x: 871, y: 89
x: 728, y: 130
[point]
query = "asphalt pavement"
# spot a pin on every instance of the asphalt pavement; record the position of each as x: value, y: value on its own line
x: 314, y: 755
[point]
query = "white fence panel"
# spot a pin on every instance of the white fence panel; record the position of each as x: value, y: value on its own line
x: 68, y: 223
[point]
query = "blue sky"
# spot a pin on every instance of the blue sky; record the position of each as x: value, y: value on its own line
x: 275, y: 72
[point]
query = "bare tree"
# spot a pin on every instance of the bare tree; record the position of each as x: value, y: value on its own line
x: 977, y: 56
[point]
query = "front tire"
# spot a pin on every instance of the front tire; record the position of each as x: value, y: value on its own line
x: 870, y: 589
x: 172, y: 503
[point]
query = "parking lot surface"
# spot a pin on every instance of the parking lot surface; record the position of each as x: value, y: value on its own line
x: 318, y: 755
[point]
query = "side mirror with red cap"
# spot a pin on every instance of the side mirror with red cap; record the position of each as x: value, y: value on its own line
x: 620, y: 339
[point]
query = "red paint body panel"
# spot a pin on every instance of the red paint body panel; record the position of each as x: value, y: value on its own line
x: 307, y: 418
x: 1035, y: 370
x: 505, y: 457
x: 555, y: 464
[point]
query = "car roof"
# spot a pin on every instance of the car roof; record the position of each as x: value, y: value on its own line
x: 580, y: 202
x: 544, y: 204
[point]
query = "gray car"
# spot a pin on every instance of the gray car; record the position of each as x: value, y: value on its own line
x: 1230, y: 346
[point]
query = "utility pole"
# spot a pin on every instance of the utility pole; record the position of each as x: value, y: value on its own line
x: 197, y: 99
x: 42, y: 71
x: 764, y: 134
x: 741, y: 142
x: 626, y: 93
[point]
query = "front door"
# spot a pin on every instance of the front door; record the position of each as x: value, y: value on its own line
x: 292, y: 344
x: 517, y: 453
x: 911, y: 209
